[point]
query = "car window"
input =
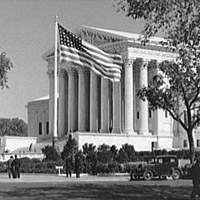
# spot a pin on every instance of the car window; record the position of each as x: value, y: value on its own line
x: 151, y: 160
x: 172, y: 160
x: 160, y: 160
x: 167, y: 160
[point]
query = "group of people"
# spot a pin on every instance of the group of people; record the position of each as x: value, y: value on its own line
x: 13, y: 167
x: 73, y: 162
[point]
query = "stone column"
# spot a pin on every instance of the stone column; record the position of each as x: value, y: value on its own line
x: 51, y: 103
x: 116, y: 107
x: 104, y: 106
x: 128, y: 96
x: 134, y: 99
x: 143, y: 105
x: 72, y: 100
x: 62, y: 103
x: 94, y: 107
x: 83, y: 100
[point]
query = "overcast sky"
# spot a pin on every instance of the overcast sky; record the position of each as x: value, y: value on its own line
x: 27, y: 32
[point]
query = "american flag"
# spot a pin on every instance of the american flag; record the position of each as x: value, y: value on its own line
x: 73, y: 49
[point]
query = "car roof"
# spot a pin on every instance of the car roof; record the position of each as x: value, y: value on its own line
x: 168, y: 156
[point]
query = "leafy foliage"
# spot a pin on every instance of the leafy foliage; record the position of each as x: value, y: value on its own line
x: 90, y: 155
x: 104, y: 154
x: 126, y: 153
x: 125, y: 160
x: 179, y: 21
x: 5, y: 66
x: 13, y: 127
x: 175, y: 17
x: 51, y: 153
x: 70, y: 148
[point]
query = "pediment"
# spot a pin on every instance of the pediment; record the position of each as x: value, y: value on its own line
x: 104, y: 39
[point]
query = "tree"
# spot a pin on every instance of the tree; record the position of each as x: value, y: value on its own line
x: 179, y: 22
x: 13, y: 127
x: 5, y: 66
x: 51, y: 153
x: 126, y: 153
x: 70, y: 148
x: 90, y: 155
x: 104, y: 154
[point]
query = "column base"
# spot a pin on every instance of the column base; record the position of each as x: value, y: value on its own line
x: 54, y: 142
x: 130, y: 132
x: 144, y: 132
x: 104, y: 131
x: 116, y: 130
x: 93, y: 131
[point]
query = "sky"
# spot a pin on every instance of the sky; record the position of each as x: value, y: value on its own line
x: 27, y: 32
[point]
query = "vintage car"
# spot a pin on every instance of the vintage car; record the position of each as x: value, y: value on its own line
x: 159, y: 166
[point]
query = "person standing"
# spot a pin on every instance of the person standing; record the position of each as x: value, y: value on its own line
x: 68, y: 166
x: 195, y: 173
x: 16, y: 167
x: 78, y: 164
x: 9, y: 167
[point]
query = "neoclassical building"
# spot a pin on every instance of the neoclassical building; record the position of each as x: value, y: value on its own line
x: 95, y: 110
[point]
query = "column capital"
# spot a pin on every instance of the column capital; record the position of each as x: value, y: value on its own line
x: 146, y: 62
x: 71, y: 71
x: 83, y: 71
x: 61, y: 73
x: 128, y: 62
x: 50, y: 73
x: 141, y: 62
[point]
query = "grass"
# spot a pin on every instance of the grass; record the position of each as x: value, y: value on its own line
x: 134, y: 190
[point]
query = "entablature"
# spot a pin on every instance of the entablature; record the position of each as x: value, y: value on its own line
x: 132, y: 49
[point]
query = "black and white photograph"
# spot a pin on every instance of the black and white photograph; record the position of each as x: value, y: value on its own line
x: 99, y: 99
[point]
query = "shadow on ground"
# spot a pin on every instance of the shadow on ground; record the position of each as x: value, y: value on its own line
x: 95, y: 191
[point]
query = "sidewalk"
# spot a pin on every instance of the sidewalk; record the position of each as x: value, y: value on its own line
x: 62, y: 178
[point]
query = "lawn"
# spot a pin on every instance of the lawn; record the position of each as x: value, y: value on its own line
x: 95, y: 189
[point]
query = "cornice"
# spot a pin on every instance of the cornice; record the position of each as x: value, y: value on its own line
x: 137, y: 50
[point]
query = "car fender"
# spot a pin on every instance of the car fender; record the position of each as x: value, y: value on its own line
x: 176, y: 168
x: 150, y: 169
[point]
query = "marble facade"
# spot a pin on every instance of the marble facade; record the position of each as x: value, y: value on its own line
x: 95, y: 110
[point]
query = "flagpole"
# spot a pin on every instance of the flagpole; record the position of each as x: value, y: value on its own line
x: 55, y: 85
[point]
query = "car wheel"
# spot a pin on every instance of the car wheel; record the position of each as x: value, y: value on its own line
x: 176, y: 174
x: 148, y: 175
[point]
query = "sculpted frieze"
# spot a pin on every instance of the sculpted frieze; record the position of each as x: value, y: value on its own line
x: 96, y: 38
x: 114, y: 48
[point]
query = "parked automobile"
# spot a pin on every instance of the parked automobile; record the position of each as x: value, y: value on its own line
x: 159, y: 166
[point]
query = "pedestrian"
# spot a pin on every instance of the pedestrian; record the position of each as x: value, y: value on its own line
x: 78, y: 164
x: 16, y: 167
x: 69, y: 166
x: 195, y: 173
x: 9, y: 167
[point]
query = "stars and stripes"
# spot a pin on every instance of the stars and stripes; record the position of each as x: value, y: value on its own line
x: 73, y: 49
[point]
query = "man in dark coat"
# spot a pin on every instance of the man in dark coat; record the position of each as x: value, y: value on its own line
x: 16, y: 167
x: 195, y: 173
x: 78, y: 164
x: 9, y: 167
x: 69, y: 165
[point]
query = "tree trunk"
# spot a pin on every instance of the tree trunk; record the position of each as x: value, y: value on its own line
x: 191, y: 144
